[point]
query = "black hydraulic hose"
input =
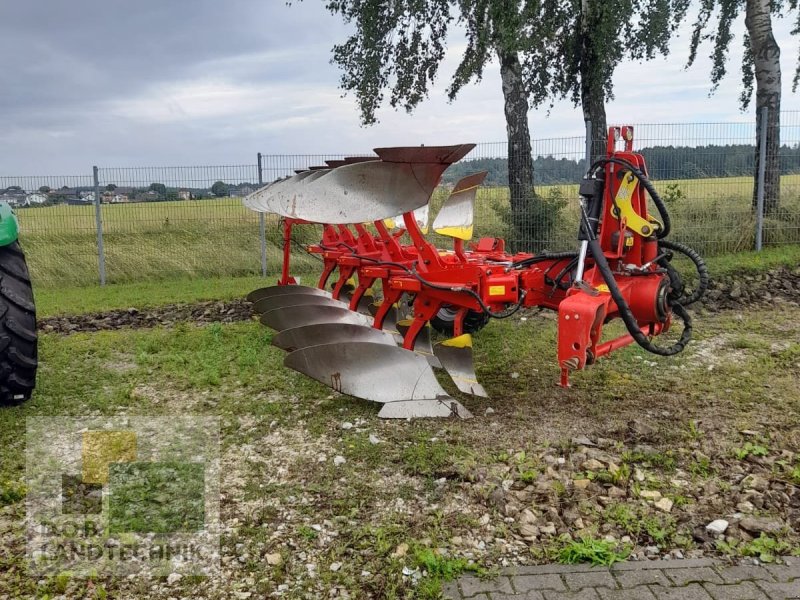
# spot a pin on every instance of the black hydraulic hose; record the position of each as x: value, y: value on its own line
x: 624, y: 310
x: 700, y: 265
x: 662, y: 208
x: 542, y: 258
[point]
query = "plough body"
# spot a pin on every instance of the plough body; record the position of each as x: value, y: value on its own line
x: 374, y: 216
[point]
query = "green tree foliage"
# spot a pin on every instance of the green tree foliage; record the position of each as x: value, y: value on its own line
x: 663, y: 162
x: 158, y: 188
x: 760, y: 69
x: 219, y: 189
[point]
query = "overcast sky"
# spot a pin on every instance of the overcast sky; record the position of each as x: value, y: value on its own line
x: 179, y: 82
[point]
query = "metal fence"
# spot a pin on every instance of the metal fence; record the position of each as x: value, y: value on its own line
x: 145, y: 223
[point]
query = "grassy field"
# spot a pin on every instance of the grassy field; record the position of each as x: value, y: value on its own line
x: 146, y: 294
x: 214, y: 238
x: 411, y: 505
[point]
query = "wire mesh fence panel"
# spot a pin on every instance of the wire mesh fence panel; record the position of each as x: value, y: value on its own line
x: 782, y: 192
x: 164, y: 222
x: 57, y: 226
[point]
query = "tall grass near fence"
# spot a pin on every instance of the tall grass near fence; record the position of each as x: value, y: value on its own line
x: 211, y: 238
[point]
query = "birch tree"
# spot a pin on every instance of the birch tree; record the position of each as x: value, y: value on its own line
x: 760, y: 67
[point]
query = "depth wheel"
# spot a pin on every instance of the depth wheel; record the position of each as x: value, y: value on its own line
x: 474, y: 321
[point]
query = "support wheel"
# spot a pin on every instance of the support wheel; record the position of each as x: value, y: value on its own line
x: 18, y: 348
x: 474, y: 321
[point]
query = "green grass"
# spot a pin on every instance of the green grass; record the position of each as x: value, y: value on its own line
x: 220, y: 238
x: 144, y: 294
x: 426, y: 482
x: 592, y: 551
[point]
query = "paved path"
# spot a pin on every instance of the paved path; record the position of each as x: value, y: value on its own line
x: 699, y: 579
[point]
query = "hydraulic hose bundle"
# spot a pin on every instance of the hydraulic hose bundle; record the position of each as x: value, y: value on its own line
x: 676, y: 299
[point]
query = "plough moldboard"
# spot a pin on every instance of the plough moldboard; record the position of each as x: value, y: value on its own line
x: 366, y: 328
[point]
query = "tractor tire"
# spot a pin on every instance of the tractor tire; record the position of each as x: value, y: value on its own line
x: 473, y: 322
x: 18, y: 347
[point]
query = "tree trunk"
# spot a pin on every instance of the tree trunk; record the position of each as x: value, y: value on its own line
x: 520, y: 161
x: 766, y: 61
x: 592, y: 93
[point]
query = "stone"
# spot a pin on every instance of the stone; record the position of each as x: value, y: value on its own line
x: 717, y: 527
x: 529, y: 531
x: 347, y: 425
x: 745, y: 506
x: 755, y: 482
x: 527, y: 517
x: 339, y: 460
x: 335, y: 566
x: 593, y: 465
x: 664, y: 504
x: 650, y: 494
x: 581, y: 484
x: 373, y: 439
x: 760, y: 525
x: 489, y: 411
x: 274, y: 559
x: 400, y: 551
x: 582, y: 440
x: 548, y: 529
x: 174, y: 578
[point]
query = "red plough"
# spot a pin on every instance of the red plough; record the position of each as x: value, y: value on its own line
x: 381, y: 349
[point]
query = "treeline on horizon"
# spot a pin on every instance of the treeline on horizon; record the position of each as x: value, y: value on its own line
x: 663, y: 162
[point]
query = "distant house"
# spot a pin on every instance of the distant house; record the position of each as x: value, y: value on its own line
x: 64, y: 194
x: 35, y: 198
x: 184, y: 194
x: 87, y: 196
x: 14, y: 195
x: 115, y: 197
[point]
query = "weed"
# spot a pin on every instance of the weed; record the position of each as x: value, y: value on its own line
x: 427, y: 458
x: 656, y: 460
x: 593, y: 551
x: 764, y: 547
x: 750, y: 449
x: 307, y: 532
x: 439, y: 569
x: 12, y: 492
x: 701, y: 467
x: 694, y: 430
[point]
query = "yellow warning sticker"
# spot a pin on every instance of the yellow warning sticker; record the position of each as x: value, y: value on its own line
x: 497, y: 290
x: 602, y: 288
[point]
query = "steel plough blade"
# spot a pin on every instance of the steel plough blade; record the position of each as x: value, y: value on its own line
x: 289, y: 317
x: 268, y: 304
x: 401, y: 181
x: 455, y: 356
x: 279, y: 290
x: 455, y: 218
x: 422, y: 345
x: 415, y: 409
x: 329, y: 333
x: 377, y: 372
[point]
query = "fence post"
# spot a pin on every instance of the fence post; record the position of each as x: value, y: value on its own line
x: 262, y: 224
x: 588, y: 143
x: 98, y: 221
x: 762, y: 167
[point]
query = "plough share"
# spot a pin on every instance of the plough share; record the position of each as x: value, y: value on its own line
x: 377, y: 345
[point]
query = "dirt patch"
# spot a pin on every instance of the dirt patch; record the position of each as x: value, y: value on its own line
x: 162, y: 316
x: 733, y: 292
